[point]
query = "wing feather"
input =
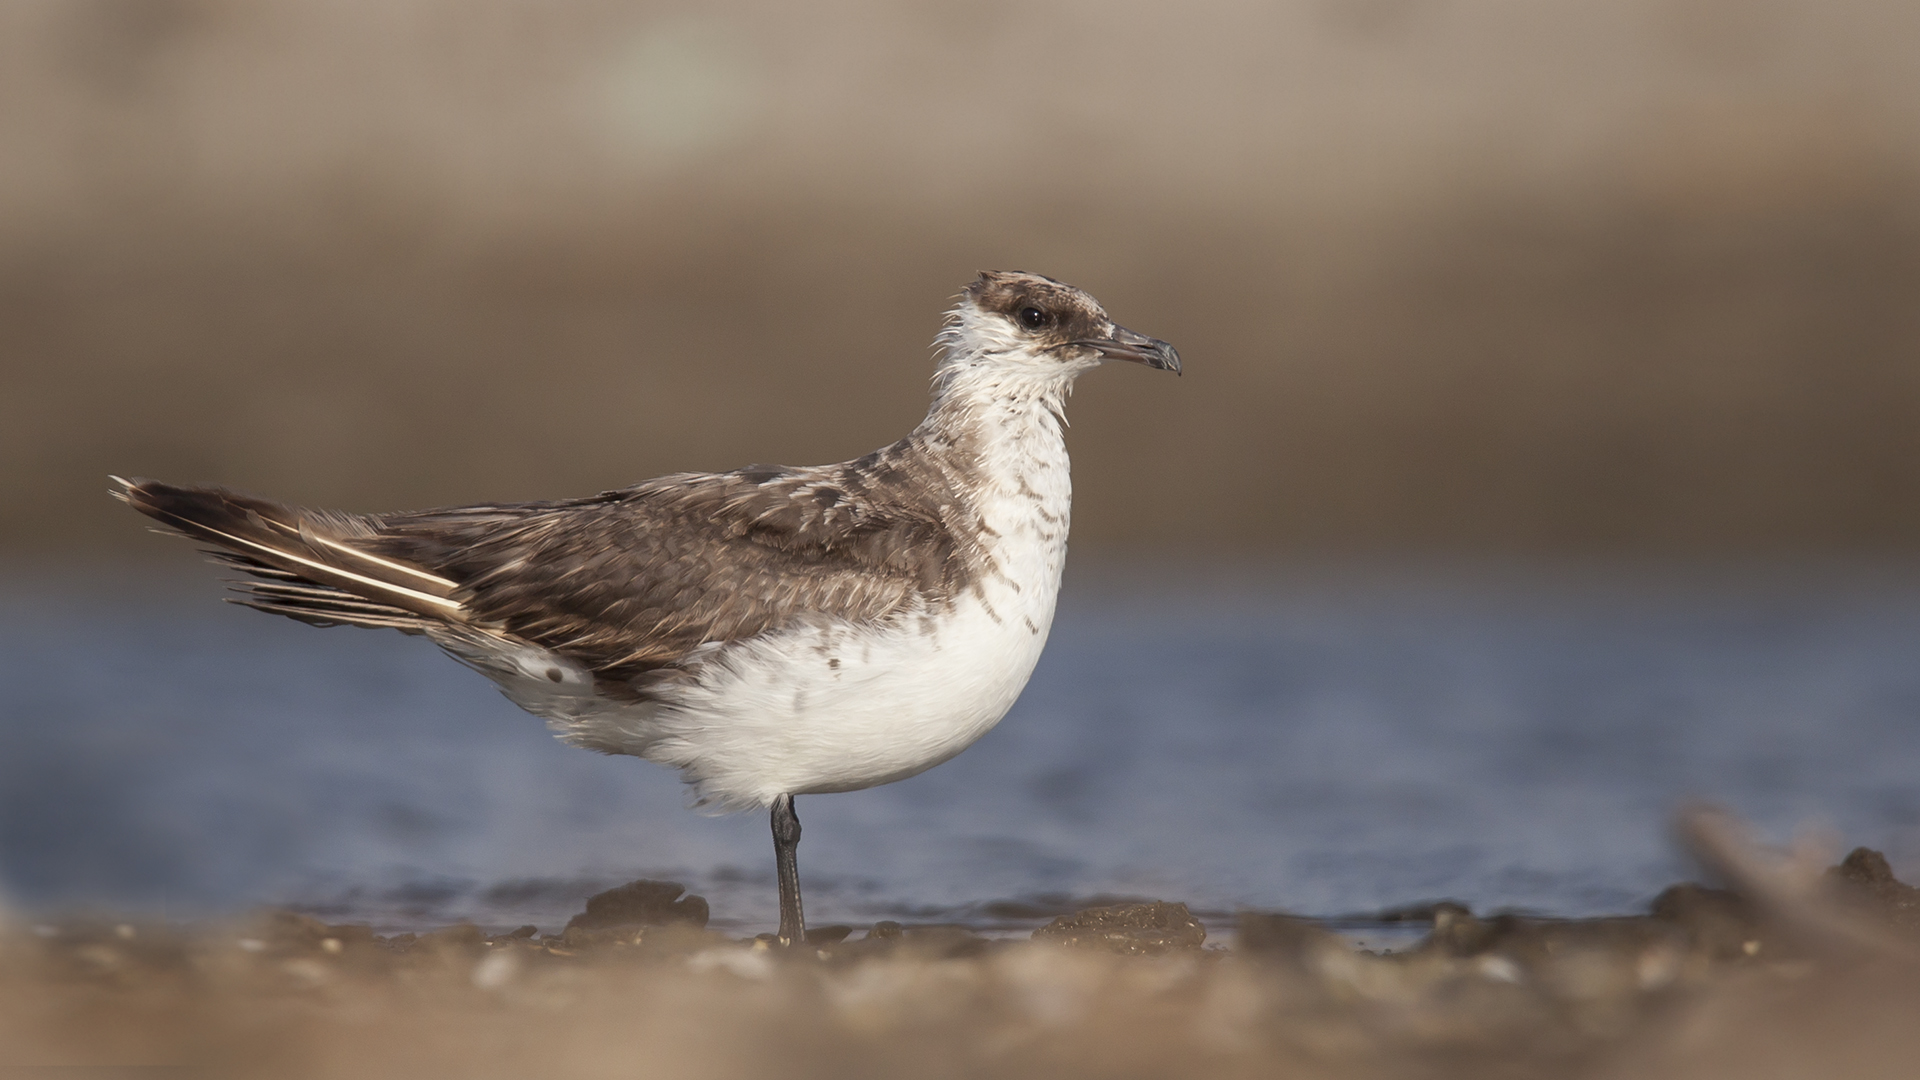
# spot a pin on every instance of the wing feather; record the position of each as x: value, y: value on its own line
x: 636, y: 579
x: 626, y: 582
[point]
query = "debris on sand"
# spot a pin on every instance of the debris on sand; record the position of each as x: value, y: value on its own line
x: 1128, y: 929
x: 1792, y: 969
x: 642, y: 903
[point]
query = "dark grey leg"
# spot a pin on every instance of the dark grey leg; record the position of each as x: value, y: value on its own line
x: 786, y: 843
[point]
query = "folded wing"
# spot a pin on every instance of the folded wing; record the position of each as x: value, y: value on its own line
x: 624, y: 583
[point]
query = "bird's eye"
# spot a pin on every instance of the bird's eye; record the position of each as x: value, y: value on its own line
x: 1032, y: 318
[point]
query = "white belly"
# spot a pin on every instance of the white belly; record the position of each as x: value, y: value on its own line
x: 837, y: 707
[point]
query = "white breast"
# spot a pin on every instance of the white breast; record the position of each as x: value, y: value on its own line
x: 837, y: 707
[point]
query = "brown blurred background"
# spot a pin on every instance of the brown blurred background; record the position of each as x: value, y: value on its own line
x: 1481, y: 276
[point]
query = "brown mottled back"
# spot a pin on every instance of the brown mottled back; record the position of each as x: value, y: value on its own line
x: 684, y: 560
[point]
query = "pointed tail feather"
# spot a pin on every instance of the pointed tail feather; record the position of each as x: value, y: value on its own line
x: 308, y: 563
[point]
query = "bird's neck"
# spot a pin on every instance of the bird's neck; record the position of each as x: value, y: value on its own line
x: 1006, y: 421
x: 1000, y: 435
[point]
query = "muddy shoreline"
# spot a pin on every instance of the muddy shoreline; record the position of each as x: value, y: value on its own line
x: 1790, y: 969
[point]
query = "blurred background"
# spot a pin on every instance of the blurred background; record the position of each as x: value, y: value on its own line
x: 1523, y: 326
x: 1462, y: 274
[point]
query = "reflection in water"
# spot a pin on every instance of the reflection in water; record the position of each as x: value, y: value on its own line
x: 1324, y: 745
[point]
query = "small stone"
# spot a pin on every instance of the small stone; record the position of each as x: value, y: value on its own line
x: 1498, y: 968
x: 1457, y: 931
x: 642, y: 903
x: 306, y: 972
x: 1865, y: 866
x: 496, y: 970
x: 1866, y: 877
x: 1129, y: 929
x: 754, y: 963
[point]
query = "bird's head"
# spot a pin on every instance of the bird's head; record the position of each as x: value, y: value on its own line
x: 1028, y: 325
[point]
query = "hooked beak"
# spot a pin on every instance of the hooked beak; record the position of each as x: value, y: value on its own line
x: 1124, y: 344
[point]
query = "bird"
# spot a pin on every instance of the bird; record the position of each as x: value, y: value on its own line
x: 770, y: 632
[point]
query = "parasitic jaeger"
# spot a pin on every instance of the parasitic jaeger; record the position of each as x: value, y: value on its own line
x: 769, y: 632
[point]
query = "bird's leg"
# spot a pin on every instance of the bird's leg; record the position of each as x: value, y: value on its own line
x: 786, y: 843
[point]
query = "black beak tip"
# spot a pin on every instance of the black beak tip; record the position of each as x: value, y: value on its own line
x: 1124, y: 344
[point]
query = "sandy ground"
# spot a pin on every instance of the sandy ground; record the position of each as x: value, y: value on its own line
x: 1791, y: 971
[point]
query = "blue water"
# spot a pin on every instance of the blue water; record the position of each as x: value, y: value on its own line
x: 1325, y: 742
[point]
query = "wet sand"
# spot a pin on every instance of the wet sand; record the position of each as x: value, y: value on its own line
x: 1791, y: 970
